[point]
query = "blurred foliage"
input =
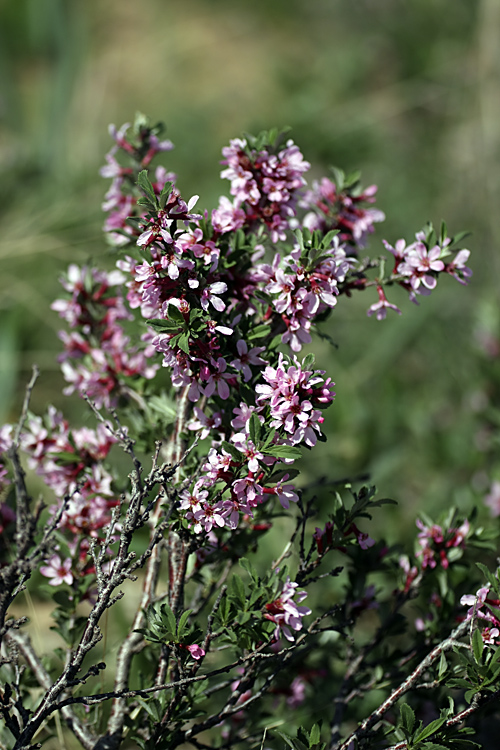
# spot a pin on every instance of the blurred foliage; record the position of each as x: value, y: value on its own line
x: 409, y: 92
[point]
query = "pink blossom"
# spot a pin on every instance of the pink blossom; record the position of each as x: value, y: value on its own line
x: 457, y: 267
x: 196, y: 651
x: 248, y: 490
x: 363, y: 539
x: 210, y: 295
x: 285, y: 612
x: 323, y: 537
x: 216, y: 378
x: 297, y: 692
x: 381, y: 307
x: 204, y: 423
x: 419, y: 263
x: 227, y: 217
x: 285, y: 492
x: 492, y: 499
x: 58, y: 571
x: 247, y: 358
x: 481, y: 608
x: 435, y: 542
x: 344, y: 210
x: 208, y: 516
x: 243, y: 443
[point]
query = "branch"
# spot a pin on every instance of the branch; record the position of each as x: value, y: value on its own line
x: 407, y: 684
x: 78, y: 727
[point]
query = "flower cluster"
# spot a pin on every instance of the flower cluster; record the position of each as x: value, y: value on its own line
x: 343, y: 207
x: 98, y: 356
x: 70, y: 463
x: 121, y: 201
x: 286, y: 612
x: 265, y: 187
x: 303, y: 286
x: 486, y: 609
x: 225, y: 301
x: 436, y: 544
x: 418, y: 265
x: 292, y: 393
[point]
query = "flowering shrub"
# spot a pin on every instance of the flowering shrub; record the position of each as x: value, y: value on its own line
x: 189, y: 355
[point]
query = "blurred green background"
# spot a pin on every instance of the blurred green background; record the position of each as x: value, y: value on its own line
x: 407, y: 91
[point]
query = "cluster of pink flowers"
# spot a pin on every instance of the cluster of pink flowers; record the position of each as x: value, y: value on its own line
x: 420, y: 262
x: 487, y: 610
x: 206, y: 287
x: 70, y: 463
x: 301, y: 288
x: 344, y: 209
x: 265, y: 187
x: 436, y: 543
x: 119, y: 202
x: 417, y: 267
x: 233, y: 482
x: 98, y: 356
x: 286, y: 612
x: 291, y: 394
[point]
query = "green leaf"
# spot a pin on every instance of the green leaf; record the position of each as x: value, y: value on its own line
x: 490, y: 577
x: 459, y: 237
x: 477, y: 645
x: 183, y: 342
x: 308, y: 361
x: 294, y: 743
x: 163, y: 325
x: 315, y: 735
x: 175, y: 314
x: 255, y: 428
x: 283, y: 451
x: 287, y: 739
x: 144, y: 183
x: 65, y: 457
x: 181, y: 625
x: 430, y: 729
x: 233, y: 452
x: 247, y: 565
x: 338, y: 178
x: 237, y: 590
x: 443, y: 665
x: 407, y: 718
x: 242, y: 617
x: 258, y: 332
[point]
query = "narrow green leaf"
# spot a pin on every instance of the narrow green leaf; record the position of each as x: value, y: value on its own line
x: 163, y: 325
x: 429, y: 729
x: 181, y: 625
x: 308, y: 361
x: 258, y: 332
x: 315, y: 735
x: 175, y: 314
x: 183, y: 342
x: 443, y: 665
x: 237, y: 590
x: 407, y: 718
x: 477, y: 645
x: 283, y: 451
x: 255, y: 428
x: 144, y: 183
